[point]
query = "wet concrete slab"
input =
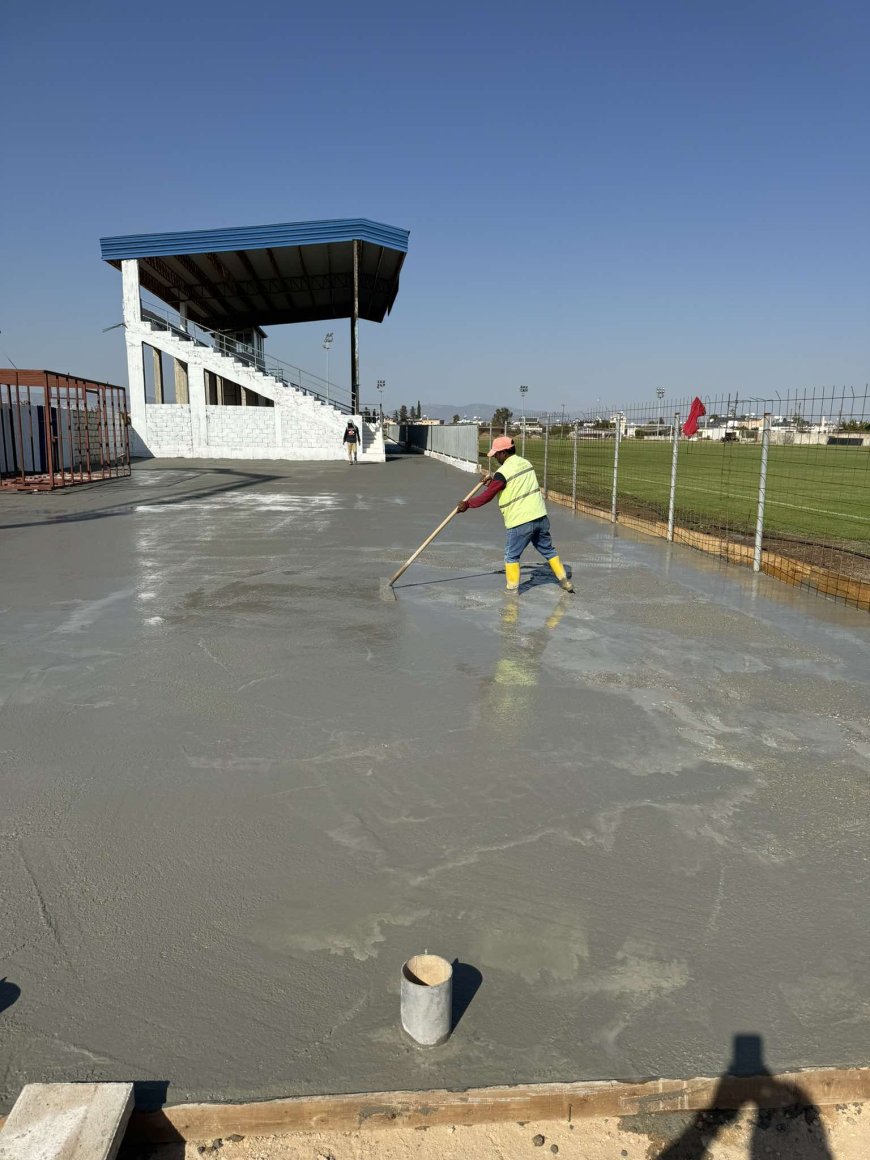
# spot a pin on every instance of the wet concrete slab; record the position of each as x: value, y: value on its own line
x: 240, y: 788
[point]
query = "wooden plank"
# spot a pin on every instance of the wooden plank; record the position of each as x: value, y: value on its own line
x: 67, y: 1121
x: 823, y: 1088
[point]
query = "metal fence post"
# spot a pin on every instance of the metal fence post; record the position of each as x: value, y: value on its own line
x: 574, y: 474
x: 762, y: 489
x: 673, y: 477
x: 546, y: 454
x: 616, y: 442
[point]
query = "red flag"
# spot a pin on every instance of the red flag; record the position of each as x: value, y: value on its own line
x: 698, y: 409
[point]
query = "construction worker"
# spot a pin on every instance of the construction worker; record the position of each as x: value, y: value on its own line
x: 351, y: 440
x: 524, y: 511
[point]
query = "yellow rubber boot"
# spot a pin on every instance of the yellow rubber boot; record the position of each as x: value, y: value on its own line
x: 560, y: 574
x: 512, y: 572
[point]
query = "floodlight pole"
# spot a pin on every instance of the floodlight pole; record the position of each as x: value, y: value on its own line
x: 524, y: 390
x: 762, y: 493
x: 354, y: 335
x: 327, y: 343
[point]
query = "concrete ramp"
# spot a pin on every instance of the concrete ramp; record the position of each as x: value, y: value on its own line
x: 67, y: 1121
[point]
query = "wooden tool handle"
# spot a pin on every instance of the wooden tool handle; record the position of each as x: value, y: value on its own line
x: 439, y: 529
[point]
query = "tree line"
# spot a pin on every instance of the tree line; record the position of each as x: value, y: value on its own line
x: 406, y: 415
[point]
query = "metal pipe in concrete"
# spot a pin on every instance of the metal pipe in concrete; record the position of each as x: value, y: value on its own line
x: 427, y: 999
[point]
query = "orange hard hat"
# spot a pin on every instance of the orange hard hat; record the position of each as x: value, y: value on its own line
x: 503, y: 443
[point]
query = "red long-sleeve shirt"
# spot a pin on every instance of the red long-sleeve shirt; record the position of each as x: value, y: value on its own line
x: 495, y: 485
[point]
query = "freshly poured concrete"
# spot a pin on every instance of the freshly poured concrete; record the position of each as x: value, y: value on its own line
x: 240, y: 789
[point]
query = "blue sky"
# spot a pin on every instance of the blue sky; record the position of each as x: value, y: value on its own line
x: 603, y: 198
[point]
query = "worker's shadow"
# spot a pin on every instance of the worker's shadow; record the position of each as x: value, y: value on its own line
x: 9, y: 993
x: 150, y: 1134
x: 787, y: 1126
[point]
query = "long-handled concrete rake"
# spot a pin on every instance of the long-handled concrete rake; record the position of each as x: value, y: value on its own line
x: 429, y: 539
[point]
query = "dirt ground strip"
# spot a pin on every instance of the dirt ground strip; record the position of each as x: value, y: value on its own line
x: 841, y: 1133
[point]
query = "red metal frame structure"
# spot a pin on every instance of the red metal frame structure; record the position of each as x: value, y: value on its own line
x: 57, y: 430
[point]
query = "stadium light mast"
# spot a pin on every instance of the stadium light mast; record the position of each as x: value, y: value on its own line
x: 524, y: 390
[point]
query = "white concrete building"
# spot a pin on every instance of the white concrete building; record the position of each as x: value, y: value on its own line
x: 200, y: 382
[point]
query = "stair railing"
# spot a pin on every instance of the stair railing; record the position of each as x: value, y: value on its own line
x: 225, y: 344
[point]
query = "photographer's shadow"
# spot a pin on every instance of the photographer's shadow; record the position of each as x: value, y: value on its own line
x: 788, y: 1125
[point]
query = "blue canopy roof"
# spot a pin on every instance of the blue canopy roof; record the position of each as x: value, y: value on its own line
x: 291, y: 272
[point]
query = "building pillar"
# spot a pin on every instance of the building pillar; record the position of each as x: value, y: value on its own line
x: 198, y: 415
x: 182, y: 393
x: 157, y: 362
x: 135, y: 355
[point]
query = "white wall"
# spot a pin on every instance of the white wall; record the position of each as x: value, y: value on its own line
x: 167, y: 428
x: 287, y: 431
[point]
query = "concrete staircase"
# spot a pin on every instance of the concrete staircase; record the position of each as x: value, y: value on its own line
x: 298, y: 409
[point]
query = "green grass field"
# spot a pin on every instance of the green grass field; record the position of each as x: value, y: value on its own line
x: 818, y: 493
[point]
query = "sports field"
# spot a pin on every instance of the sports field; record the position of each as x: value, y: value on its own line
x: 817, y: 493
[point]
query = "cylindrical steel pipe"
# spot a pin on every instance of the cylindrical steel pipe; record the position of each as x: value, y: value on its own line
x: 427, y: 999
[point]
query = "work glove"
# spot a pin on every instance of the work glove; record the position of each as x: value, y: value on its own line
x: 462, y: 506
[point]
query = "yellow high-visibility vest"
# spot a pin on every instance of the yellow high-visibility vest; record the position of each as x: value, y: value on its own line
x: 520, y: 499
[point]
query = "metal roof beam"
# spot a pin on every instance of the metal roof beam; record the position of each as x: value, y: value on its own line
x: 305, y: 272
x: 273, y: 263
x: 291, y: 284
x: 162, y: 270
x: 212, y: 291
x: 329, y: 273
x: 378, y: 267
x: 226, y: 275
x: 254, y: 276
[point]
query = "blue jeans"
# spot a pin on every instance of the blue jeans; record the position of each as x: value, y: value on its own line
x: 536, y: 533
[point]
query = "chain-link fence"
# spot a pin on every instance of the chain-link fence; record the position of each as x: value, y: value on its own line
x: 781, y: 484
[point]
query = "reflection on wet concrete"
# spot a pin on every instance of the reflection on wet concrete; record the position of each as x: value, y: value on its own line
x: 241, y: 789
x: 509, y: 711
